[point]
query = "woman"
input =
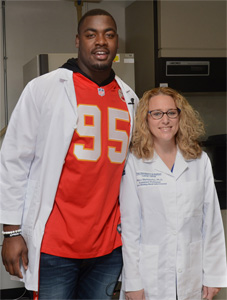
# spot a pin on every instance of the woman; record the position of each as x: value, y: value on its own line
x: 172, y: 231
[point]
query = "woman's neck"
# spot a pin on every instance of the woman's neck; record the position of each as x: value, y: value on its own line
x: 167, y: 152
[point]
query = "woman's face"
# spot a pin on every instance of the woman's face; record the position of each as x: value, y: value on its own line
x: 164, y: 129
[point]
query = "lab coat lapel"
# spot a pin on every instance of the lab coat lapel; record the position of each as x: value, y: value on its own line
x: 180, y: 165
x: 67, y: 80
x: 160, y: 166
x: 131, y: 102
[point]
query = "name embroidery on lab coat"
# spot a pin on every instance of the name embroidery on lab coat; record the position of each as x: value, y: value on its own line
x: 145, y: 179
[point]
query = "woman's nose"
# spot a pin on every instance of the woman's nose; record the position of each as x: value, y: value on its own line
x: 165, y: 119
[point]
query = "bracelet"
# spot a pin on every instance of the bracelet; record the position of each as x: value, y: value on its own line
x: 12, y: 235
x: 18, y: 231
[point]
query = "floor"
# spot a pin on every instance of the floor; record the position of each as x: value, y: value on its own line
x: 22, y: 294
x: 14, y: 294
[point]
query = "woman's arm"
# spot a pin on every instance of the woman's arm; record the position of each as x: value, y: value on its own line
x: 131, y: 231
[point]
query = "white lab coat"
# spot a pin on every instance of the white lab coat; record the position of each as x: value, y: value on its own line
x: 172, y: 229
x: 33, y: 153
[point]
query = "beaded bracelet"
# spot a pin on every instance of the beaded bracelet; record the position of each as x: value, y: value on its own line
x: 11, y: 233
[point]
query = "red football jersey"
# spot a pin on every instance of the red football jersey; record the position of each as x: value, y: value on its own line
x: 85, y: 217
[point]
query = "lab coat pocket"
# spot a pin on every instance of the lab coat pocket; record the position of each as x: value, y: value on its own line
x: 196, y: 265
x: 30, y: 206
x: 149, y: 268
x: 192, y: 202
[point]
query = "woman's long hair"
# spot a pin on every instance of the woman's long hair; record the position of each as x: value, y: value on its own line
x: 191, y: 127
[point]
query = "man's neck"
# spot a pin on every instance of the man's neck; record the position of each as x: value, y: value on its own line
x: 72, y: 64
x: 97, y: 76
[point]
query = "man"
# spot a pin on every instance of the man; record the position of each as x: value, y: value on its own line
x: 62, y: 160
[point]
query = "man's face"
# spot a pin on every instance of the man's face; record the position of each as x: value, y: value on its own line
x: 97, y: 44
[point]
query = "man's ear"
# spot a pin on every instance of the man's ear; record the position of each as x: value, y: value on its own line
x: 77, y: 41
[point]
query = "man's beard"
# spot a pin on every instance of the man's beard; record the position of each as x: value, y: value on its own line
x: 102, y: 67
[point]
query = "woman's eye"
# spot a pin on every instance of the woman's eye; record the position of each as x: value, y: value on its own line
x: 172, y: 113
x: 157, y: 114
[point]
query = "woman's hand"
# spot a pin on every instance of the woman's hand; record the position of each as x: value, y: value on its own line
x: 135, y: 295
x: 210, y: 292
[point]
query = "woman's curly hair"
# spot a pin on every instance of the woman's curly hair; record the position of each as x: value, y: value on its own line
x: 191, y: 127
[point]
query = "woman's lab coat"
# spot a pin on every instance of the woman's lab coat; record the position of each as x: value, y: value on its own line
x: 33, y: 154
x: 172, y: 231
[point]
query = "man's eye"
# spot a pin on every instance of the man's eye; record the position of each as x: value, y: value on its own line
x: 110, y: 35
x: 90, y: 35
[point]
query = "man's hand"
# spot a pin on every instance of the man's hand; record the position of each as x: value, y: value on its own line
x: 14, y: 250
x: 135, y: 295
x: 210, y: 292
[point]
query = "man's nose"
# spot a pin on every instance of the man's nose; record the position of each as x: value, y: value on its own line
x: 101, y: 39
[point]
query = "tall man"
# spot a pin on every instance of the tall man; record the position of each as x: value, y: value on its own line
x: 62, y: 161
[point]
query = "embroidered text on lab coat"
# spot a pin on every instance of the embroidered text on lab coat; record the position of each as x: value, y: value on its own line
x: 147, y: 178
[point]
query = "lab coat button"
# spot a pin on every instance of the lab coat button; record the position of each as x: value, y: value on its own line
x: 179, y: 270
x: 175, y: 232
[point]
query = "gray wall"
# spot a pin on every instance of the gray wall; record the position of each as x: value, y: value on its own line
x: 35, y: 27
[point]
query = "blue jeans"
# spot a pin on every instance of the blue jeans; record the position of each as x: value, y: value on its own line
x: 66, y: 278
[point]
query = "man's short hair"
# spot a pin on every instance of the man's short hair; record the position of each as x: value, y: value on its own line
x: 94, y: 12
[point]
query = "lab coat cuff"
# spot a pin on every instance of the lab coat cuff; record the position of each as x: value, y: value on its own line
x: 10, y: 217
x: 129, y: 285
x: 215, y: 281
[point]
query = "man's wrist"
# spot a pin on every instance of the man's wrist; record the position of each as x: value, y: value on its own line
x: 8, y: 227
x: 11, y: 231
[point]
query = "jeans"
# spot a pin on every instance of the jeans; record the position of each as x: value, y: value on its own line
x: 66, y: 278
